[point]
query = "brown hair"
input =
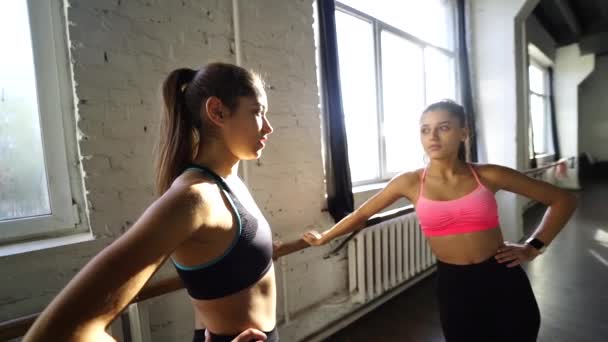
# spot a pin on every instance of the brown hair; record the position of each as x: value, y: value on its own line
x: 457, y: 111
x: 184, y: 92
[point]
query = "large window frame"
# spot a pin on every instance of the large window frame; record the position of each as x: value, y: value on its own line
x: 540, y: 62
x: 57, y: 124
x: 380, y: 26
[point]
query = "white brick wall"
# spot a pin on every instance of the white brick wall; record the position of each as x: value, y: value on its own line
x: 283, y: 49
x: 120, y: 51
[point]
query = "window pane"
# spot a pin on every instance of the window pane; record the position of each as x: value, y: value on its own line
x: 429, y: 20
x: 539, y: 127
x: 537, y: 79
x: 440, y: 83
x: 23, y: 181
x: 358, y: 83
x: 403, y: 94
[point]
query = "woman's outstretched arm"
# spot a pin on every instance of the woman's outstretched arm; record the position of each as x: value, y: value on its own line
x: 398, y: 187
x: 106, y: 285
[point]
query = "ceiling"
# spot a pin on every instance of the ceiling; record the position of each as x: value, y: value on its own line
x: 572, y: 21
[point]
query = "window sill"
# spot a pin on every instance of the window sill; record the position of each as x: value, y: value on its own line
x: 30, y: 246
x: 543, y: 155
x: 545, y: 158
x: 362, y: 193
x: 369, y: 187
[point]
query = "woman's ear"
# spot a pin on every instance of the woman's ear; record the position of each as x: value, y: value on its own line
x: 215, y: 110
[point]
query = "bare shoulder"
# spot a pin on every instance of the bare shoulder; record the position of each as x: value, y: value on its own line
x: 401, y: 185
x: 407, y: 182
x: 409, y: 178
x: 492, y: 170
x: 495, y: 175
x: 186, y: 205
x: 169, y: 221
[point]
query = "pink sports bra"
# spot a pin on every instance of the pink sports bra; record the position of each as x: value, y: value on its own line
x: 472, y: 212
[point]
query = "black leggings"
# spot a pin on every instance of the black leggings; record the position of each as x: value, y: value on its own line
x: 199, y: 336
x: 486, y: 302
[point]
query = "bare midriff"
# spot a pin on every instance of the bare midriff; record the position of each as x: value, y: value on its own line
x: 466, y: 248
x: 253, y: 307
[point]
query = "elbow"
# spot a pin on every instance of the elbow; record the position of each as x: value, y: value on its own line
x: 94, y: 332
x: 65, y: 330
x: 569, y: 201
x: 572, y: 201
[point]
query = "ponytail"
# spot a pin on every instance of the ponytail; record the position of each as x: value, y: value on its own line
x: 185, y: 91
x: 175, y: 147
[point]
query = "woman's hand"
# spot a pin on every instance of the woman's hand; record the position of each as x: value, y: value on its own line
x: 248, y: 335
x: 515, y: 253
x: 313, y: 238
x: 276, y: 247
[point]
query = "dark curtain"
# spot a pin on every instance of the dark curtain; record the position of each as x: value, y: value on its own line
x: 340, y: 200
x: 552, y: 112
x: 533, y: 163
x: 465, y: 78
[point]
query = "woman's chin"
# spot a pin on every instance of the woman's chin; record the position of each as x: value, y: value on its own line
x: 253, y: 155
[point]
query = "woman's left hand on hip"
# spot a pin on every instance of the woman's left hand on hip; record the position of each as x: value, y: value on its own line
x: 515, y: 253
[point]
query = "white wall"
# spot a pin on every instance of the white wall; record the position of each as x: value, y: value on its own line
x: 121, y: 51
x: 288, y: 181
x: 593, y: 114
x: 570, y: 70
x: 499, y: 63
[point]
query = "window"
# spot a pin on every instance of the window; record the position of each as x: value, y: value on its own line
x: 392, y: 64
x: 540, y: 119
x: 35, y: 191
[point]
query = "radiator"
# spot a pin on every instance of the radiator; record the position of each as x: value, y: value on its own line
x: 385, y: 256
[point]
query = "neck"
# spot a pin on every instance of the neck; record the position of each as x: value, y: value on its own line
x: 446, y: 168
x: 218, y: 158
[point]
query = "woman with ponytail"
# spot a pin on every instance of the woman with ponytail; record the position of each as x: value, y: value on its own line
x: 483, y: 293
x: 204, y: 220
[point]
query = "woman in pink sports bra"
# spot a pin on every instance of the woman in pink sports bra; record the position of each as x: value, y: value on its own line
x: 483, y: 293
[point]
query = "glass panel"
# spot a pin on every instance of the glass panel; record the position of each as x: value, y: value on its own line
x: 429, y: 20
x: 440, y: 82
x: 23, y: 181
x: 537, y: 79
x: 539, y: 127
x: 358, y: 82
x: 403, y: 94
